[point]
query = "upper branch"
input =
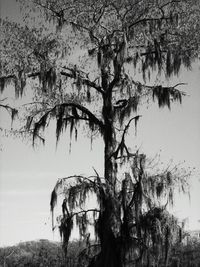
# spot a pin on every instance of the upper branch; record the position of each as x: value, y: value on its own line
x: 170, y: 2
x: 85, y: 81
x: 146, y: 20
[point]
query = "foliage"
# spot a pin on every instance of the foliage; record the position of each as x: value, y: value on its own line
x: 33, y: 254
x: 39, y: 253
x: 124, y: 43
x: 140, y: 223
x: 186, y: 255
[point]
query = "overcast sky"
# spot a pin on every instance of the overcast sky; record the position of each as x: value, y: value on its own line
x: 27, y: 176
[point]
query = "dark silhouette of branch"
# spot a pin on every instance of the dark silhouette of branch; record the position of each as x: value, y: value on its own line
x: 144, y: 20
x: 85, y: 81
x: 122, y: 143
x: 85, y: 111
x: 12, y: 111
x: 60, y: 111
x: 84, y: 211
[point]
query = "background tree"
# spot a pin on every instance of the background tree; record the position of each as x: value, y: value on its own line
x: 39, y: 253
x: 122, y: 38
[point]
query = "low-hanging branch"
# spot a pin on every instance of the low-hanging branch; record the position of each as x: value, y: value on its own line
x: 60, y: 185
x: 11, y: 110
x: 62, y: 119
x: 86, y: 111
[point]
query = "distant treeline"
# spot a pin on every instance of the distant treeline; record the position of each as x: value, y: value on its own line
x: 44, y: 253
x: 186, y: 255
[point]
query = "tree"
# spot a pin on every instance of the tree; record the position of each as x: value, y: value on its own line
x: 187, y: 254
x: 121, y: 36
x: 36, y: 253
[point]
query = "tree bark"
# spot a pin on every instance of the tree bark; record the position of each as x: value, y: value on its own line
x: 110, y: 255
x: 109, y: 141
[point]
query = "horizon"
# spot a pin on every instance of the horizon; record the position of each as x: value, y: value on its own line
x: 27, y: 175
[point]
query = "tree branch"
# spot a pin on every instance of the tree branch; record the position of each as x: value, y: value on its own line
x: 13, y: 111
x: 130, y: 9
x: 92, y: 36
x: 85, y: 81
x: 85, y: 111
x: 84, y: 211
x: 91, y: 117
x: 11, y: 76
x: 122, y: 143
x: 163, y: 87
x: 34, y: 74
x: 170, y: 2
x: 145, y: 20
x: 102, y: 9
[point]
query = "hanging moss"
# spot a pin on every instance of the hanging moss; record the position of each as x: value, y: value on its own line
x: 162, y: 95
x: 159, y: 189
x: 2, y: 84
x: 177, y: 63
x: 88, y: 94
x: 61, y: 120
x: 169, y: 67
x: 124, y: 108
x: 40, y: 125
x: 65, y: 228
x: 99, y: 58
x: 51, y: 78
x: 78, y: 82
x: 53, y: 201
x: 47, y: 78
x: 14, y: 113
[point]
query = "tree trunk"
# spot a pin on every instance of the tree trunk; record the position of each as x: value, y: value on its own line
x: 109, y: 141
x: 110, y: 255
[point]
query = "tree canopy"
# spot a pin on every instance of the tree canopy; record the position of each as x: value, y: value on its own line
x: 119, y: 47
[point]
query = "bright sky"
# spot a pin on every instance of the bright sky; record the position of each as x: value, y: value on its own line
x: 27, y: 176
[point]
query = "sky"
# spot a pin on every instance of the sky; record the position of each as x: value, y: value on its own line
x: 27, y: 175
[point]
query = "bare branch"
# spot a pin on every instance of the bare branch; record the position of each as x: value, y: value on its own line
x: 102, y: 10
x: 122, y: 143
x: 36, y: 103
x: 84, y: 211
x: 131, y: 8
x: 89, y: 30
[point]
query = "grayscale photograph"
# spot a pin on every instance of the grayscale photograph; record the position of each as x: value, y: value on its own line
x: 99, y: 133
